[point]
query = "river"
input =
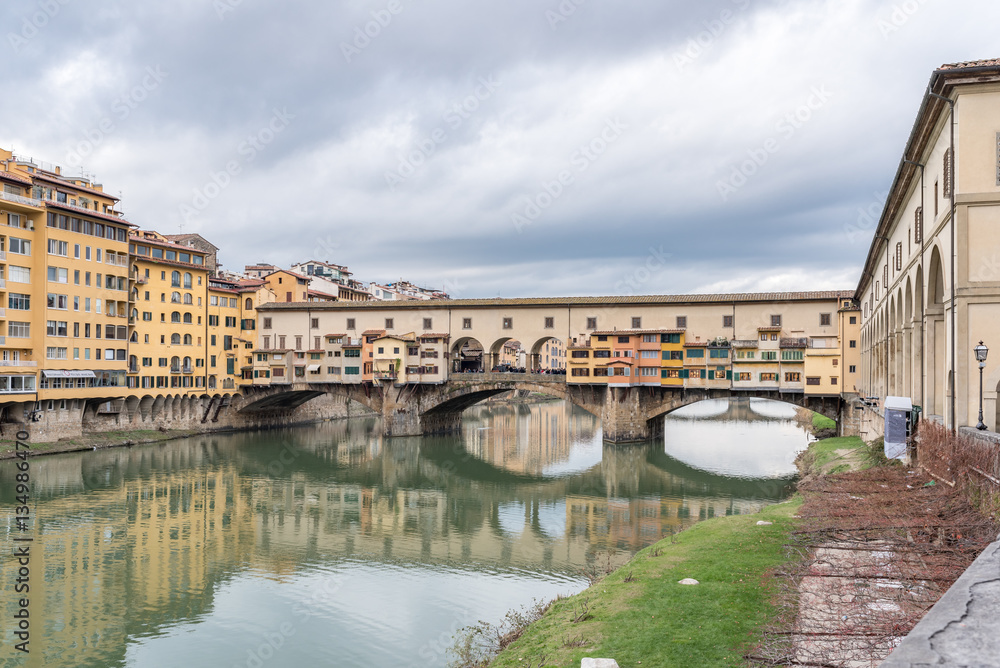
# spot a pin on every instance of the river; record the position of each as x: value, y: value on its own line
x: 329, y: 545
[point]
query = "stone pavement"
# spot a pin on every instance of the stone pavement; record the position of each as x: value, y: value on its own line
x: 963, y: 627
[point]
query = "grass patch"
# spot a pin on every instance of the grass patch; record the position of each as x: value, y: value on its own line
x: 835, y: 455
x: 823, y: 422
x: 640, y: 612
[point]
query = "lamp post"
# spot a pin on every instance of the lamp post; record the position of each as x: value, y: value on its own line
x: 981, y: 352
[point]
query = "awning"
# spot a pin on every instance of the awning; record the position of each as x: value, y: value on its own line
x: 55, y: 373
x: 313, y: 367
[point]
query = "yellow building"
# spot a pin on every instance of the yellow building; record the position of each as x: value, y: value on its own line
x: 171, y: 327
x: 64, y: 269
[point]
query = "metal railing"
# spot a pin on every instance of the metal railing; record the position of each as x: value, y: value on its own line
x: 18, y: 363
x: 508, y: 377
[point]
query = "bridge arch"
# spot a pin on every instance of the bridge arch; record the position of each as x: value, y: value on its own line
x: 467, y: 353
x: 538, y: 359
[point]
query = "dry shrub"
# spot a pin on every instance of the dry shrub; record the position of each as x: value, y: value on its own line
x: 969, y: 464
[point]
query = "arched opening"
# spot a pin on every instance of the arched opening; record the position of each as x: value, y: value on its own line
x: 175, y: 298
x: 175, y: 316
x: 187, y: 339
x: 175, y: 339
x: 935, y: 333
x: 248, y: 305
x: 507, y: 356
x: 187, y: 318
x: 187, y: 298
x: 548, y: 355
x: 467, y: 356
x: 187, y: 280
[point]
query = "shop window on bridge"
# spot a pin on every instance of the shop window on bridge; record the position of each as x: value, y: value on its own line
x: 768, y: 377
x: 600, y: 373
x: 580, y: 354
x: 580, y: 372
x: 742, y: 376
x: 696, y: 352
x: 673, y: 354
x: 793, y: 377
x: 670, y: 338
x: 812, y: 380
x: 602, y: 354
x: 719, y: 353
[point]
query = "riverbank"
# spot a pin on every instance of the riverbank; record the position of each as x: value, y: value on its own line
x: 128, y: 438
x: 640, y: 614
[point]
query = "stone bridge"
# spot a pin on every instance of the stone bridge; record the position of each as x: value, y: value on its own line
x: 628, y: 414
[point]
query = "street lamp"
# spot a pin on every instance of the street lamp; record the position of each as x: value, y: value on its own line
x: 981, y: 352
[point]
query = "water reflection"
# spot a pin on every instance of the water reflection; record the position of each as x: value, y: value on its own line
x: 193, y: 551
x: 748, y: 438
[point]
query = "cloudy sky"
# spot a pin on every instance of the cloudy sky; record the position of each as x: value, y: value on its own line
x: 513, y: 148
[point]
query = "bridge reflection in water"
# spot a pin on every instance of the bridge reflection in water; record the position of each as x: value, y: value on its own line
x: 135, y: 542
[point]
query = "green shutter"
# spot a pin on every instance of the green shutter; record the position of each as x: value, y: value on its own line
x: 729, y: 375
x: 230, y: 365
x: 703, y: 373
x: 685, y: 373
x: 711, y: 375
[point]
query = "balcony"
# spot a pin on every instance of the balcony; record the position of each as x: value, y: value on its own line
x: 385, y: 375
x: 186, y: 369
x: 21, y: 199
x: 795, y: 343
x: 175, y: 369
x: 18, y: 363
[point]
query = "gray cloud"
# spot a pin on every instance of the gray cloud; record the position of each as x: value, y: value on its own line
x: 363, y: 132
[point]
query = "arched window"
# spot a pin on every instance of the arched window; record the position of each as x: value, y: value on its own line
x: 249, y: 304
x: 175, y: 298
x: 187, y: 280
x: 175, y: 279
x: 134, y: 338
x: 175, y: 339
x: 187, y: 339
x: 187, y: 297
x: 135, y: 314
x: 211, y: 382
x: 175, y: 363
x: 187, y: 363
x: 133, y: 363
x: 175, y: 316
x: 187, y: 318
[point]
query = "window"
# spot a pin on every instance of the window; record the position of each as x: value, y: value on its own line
x: 57, y: 301
x: 768, y: 377
x: 695, y: 352
x: 718, y: 353
x: 580, y: 354
x: 550, y: 323
x: 899, y: 256
x: 673, y: 354
x: 682, y: 322
x: 267, y: 322
x: 742, y: 375
x: 55, y: 353
x: 175, y: 279
x: 187, y: 318
x: 670, y: 338
x: 763, y: 337
x: 650, y: 338
x: 17, y: 274
x: 18, y: 301
x: 727, y: 321
x: 57, y: 247
x: 56, y: 328
x: 623, y: 339
x: 812, y: 380
x: 314, y: 323
x: 650, y: 354
x: 791, y: 355
x: 19, y: 330
x: 852, y: 369
x: 947, y: 187
x: 579, y: 372
x: 175, y: 339
x: 19, y: 246
x: 649, y: 371
x: 350, y: 323
x: 854, y: 320
x: 591, y: 323
x: 388, y: 323
x: 775, y: 321
x: 853, y: 343
x: 428, y: 323
x: 793, y: 377
x: 466, y: 323
x: 508, y: 323
x: 636, y: 323
x: 602, y: 354
x: 824, y: 319
x: 769, y: 355
x: 918, y: 224
x: 213, y: 321
x: 298, y: 342
x: 187, y: 280
x: 833, y: 380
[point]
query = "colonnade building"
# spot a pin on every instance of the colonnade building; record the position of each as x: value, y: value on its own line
x: 930, y: 288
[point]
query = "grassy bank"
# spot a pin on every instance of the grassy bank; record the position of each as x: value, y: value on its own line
x: 640, y: 613
x: 640, y: 616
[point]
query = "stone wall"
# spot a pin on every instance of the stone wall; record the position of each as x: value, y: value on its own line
x: 182, y: 413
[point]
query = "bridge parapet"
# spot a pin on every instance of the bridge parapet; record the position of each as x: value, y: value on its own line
x: 498, y: 377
